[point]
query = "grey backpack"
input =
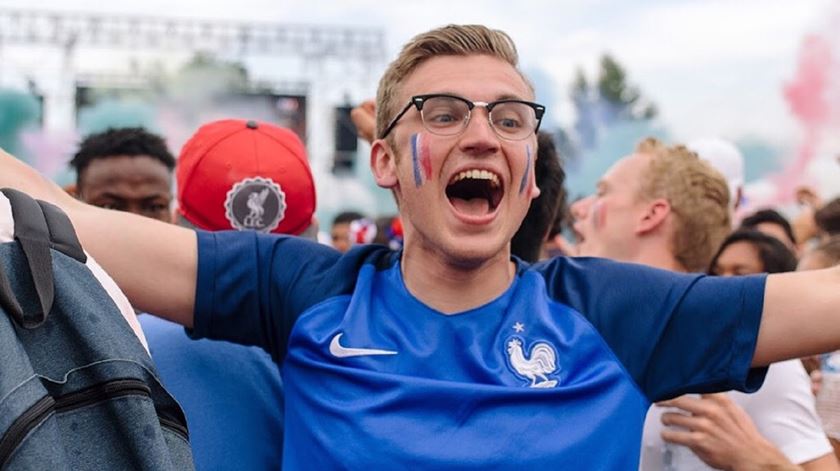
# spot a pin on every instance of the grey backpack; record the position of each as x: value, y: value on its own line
x: 77, y: 389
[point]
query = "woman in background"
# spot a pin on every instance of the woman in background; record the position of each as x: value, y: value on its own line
x: 746, y: 252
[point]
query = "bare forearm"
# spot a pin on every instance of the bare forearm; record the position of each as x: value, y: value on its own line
x: 827, y: 462
x: 154, y: 263
x: 801, y: 315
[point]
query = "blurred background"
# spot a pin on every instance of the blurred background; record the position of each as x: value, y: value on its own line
x: 764, y: 74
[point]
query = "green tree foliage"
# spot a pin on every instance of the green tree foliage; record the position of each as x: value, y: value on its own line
x: 623, y: 99
x: 608, y: 100
x: 612, y: 114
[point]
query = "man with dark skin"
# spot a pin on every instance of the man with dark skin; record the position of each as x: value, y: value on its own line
x: 126, y: 169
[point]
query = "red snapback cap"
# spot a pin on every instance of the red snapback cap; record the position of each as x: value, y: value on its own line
x: 245, y: 175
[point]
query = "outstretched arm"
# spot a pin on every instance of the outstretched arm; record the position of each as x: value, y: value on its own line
x: 153, y: 262
x: 801, y: 315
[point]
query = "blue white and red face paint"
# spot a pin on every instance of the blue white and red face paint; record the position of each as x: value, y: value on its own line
x: 420, y: 158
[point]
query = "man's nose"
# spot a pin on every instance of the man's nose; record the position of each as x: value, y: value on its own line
x: 479, y: 136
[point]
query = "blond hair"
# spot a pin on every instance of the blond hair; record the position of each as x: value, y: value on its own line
x: 699, y: 199
x: 450, y: 40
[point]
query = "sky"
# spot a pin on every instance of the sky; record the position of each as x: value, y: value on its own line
x: 713, y: 67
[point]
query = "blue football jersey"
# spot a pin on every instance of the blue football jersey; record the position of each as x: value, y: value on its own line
x: 557, y: 371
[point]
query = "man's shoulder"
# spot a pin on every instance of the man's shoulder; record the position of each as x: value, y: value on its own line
x: 286, y: 246
x: 597, y: 270
x: 284, y: 255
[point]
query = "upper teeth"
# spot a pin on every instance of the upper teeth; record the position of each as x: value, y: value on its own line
x: 477, y: 175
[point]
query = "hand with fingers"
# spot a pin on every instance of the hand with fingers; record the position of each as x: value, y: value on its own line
x: 364, y: 118
x: 720, y: 433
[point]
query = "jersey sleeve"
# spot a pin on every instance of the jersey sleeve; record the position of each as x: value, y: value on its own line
x: 673, y: 333
x: 251, y: 287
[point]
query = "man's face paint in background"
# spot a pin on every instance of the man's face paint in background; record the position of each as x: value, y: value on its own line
x: 599, y: 215
x: 420, y: 158
x: 606, y: 223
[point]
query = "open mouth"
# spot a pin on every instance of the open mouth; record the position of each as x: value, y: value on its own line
x: 475, y: 192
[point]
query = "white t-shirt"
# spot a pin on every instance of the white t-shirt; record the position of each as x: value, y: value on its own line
x: 828, y: 399
x: 7, y: 235
x: 783, y: 411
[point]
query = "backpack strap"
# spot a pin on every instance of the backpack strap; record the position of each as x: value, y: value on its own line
x: 62, y: 235
x: 33, y: 235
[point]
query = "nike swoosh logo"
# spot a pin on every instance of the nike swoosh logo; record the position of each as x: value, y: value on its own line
x: 343, y: 352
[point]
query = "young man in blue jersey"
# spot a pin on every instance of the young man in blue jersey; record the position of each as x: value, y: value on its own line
x: 448, y: 354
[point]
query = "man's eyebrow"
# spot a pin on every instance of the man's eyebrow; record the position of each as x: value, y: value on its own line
x: 150, y: 198
x: 112, y: 196
x: 508, y: 96
x: 504, y: 96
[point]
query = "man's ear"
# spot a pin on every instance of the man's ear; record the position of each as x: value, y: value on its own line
x: 383, y: 164
x: 654, y: 217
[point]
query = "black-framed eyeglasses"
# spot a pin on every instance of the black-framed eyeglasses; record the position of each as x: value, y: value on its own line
x: 449, y: 115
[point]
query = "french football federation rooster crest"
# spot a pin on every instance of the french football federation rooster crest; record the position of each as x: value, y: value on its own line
x: 540, y: 364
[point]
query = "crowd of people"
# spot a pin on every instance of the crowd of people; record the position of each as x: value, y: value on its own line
x: 467, y: 332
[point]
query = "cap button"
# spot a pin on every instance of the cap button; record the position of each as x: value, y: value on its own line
x: 251, y: 124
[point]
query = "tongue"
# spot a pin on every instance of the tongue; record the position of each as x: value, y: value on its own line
x: 472, y: 206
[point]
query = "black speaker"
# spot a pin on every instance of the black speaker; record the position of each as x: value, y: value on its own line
x: 346, y: 141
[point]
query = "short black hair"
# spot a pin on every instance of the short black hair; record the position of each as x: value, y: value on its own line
x: 775, y: 256
x: 347, y: 217
x: 768, y: 216
x: 546, y: 208
x: 121, y: 142
x: 827, y: 217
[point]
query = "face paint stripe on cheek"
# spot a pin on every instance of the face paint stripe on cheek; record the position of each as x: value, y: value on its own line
x: 415, y: 138
x: 527, y: 175
x: 599, y: 215
x: 425, y: 158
